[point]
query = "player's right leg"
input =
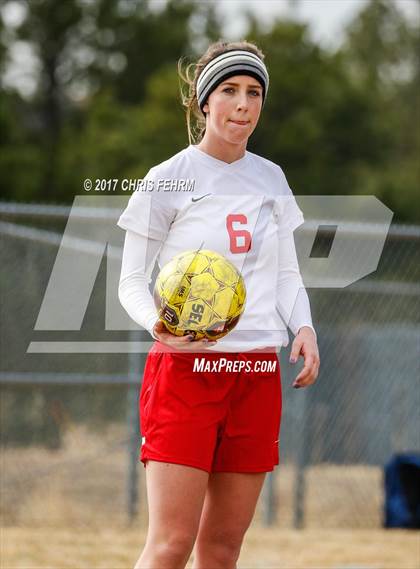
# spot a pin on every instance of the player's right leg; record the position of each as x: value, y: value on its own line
x: 175, y: 495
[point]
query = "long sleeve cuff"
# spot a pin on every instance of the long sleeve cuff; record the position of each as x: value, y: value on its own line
x: 307, y: 326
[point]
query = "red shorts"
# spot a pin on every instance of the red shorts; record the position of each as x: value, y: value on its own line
x: 216, y: 411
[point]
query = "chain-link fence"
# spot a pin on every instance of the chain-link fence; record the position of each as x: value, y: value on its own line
x: 69, y: 423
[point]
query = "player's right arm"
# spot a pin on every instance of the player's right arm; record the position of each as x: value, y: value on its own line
x: 147, y: 220
x: 139, y: 257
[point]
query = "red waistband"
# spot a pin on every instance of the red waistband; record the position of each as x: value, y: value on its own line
x: 160, y: 347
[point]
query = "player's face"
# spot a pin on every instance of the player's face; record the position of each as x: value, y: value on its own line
x: 233, y: 109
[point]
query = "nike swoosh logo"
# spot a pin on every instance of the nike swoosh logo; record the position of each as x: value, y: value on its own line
x: 200, y: 198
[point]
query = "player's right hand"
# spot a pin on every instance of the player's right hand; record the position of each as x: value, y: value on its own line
x: 182, y: 343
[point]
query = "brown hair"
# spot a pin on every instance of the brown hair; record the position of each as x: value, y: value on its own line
x: 190, y: 76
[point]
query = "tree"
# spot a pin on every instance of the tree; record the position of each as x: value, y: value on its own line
x: 344, y: 122
x: 120, y: 141
x: 382, y: 51
x: 316, y: 124
x: 98, y: 52
x: 140, y: 38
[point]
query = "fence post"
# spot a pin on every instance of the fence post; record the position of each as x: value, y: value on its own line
x: 302, y: 457
x: 269, y: 499
x: 135, y: 370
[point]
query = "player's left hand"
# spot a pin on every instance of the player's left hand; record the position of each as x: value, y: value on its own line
x: 305, y: 344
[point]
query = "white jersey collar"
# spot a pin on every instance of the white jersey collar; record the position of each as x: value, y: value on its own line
x: 215, y: 162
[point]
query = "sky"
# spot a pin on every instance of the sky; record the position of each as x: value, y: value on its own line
x: 326, y: 19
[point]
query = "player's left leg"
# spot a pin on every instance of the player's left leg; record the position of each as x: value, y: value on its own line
x: 228, y: 510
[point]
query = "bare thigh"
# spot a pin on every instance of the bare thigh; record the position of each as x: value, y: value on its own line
x: 175, y: 496
x: 229, y: 507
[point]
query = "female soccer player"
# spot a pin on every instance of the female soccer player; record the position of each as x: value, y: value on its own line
x: 209, y: 436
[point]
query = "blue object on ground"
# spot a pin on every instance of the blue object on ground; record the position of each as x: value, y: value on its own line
x: 402, y: 491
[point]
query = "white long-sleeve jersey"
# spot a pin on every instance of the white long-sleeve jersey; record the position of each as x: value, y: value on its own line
x: 245, y: 211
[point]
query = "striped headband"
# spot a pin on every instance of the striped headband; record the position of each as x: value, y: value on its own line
x: 229, y: 63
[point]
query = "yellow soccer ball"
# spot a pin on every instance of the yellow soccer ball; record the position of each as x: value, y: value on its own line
x: 200, y: 293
